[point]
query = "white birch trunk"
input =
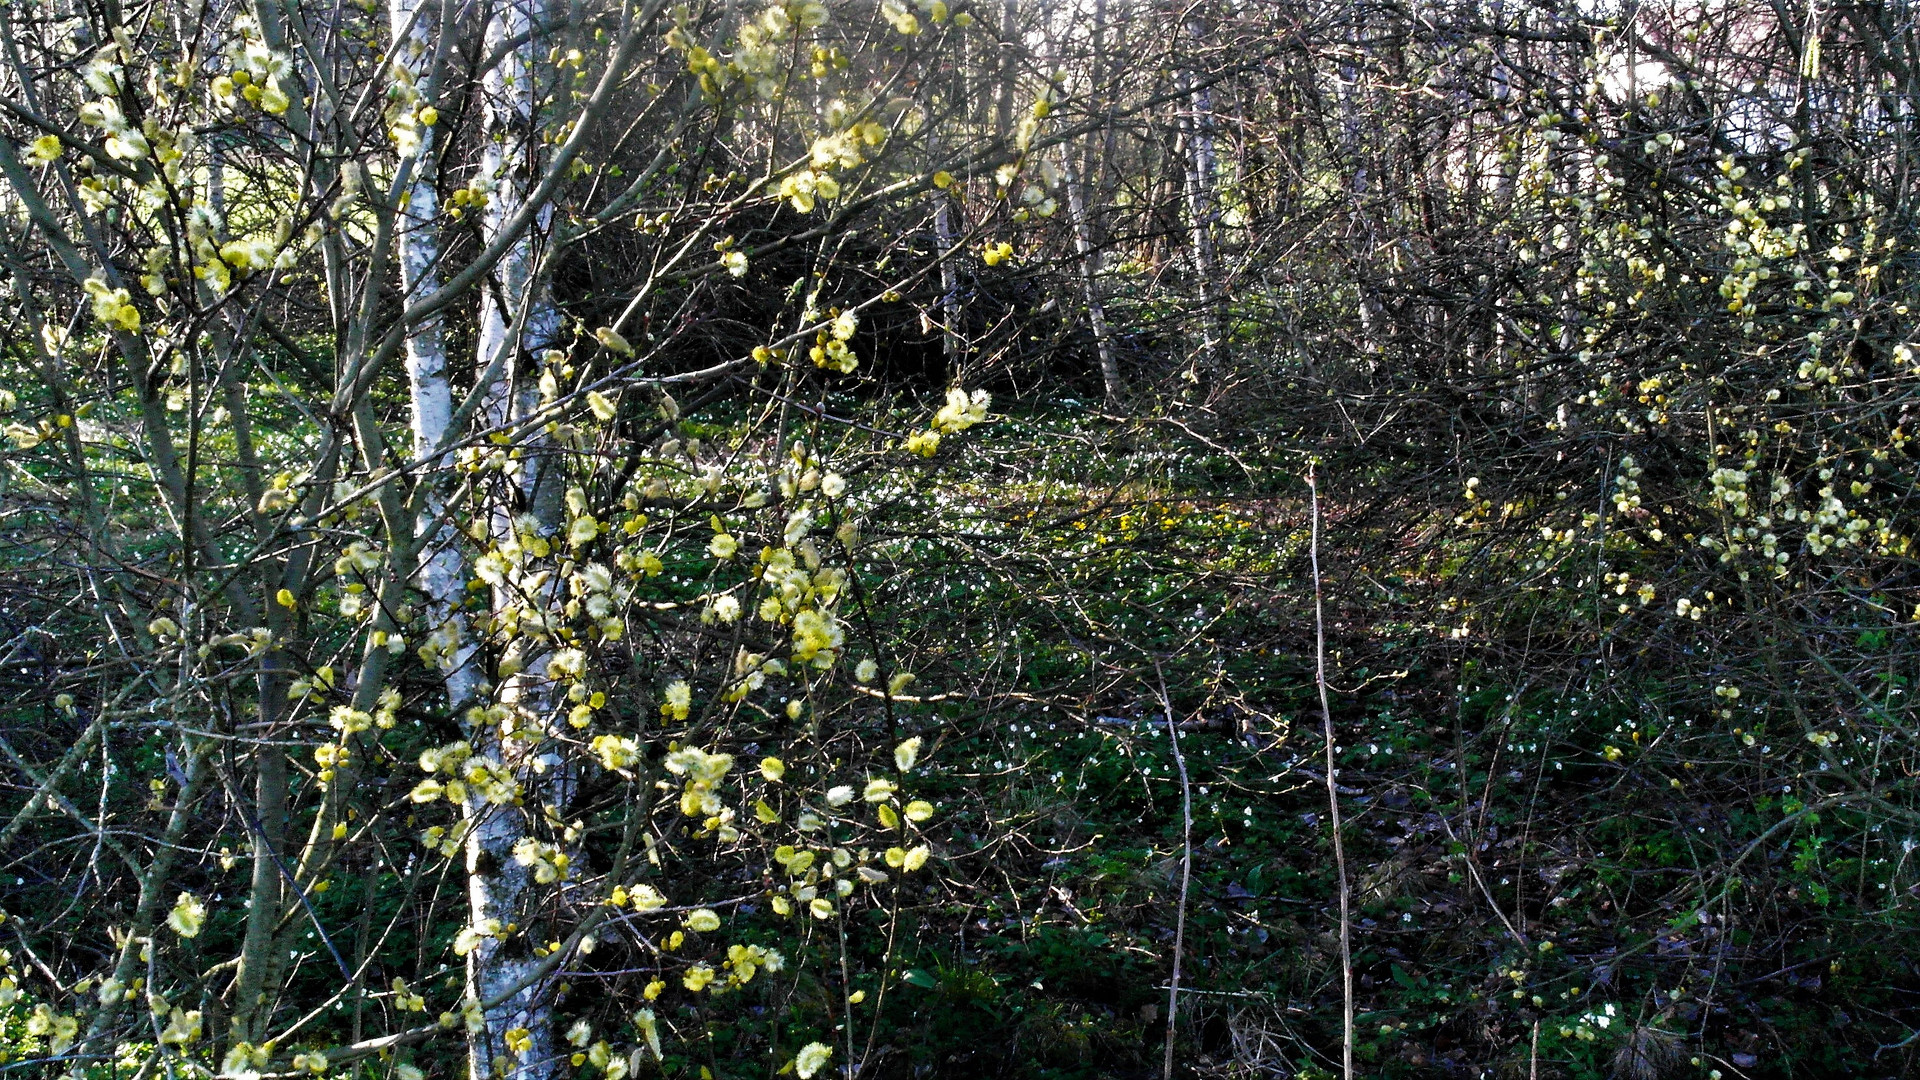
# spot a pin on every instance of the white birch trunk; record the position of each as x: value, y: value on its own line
x: 516, y: 321
x: 510, y: 163
x: 949, y: 279
x: 1201, y: 183
x: 949, y: 273
x: 443, y: 565
x: 414, y: 27
x: 1089, y: 279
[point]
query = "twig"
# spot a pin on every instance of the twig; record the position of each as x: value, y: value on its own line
x: 1186, y: 868
x: 1479, y: 879
x: 1333, y: 793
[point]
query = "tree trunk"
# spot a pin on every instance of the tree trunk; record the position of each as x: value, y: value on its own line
x: 1201, y: 210
x: 1089, y: 260
x: 1006, y: 73
x: 419, y: 44
x: 517, y: 322
x: 951, y: 345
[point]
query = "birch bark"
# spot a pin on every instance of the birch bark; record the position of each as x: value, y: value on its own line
x: 517, y: 321
x: 419, y: 43
x: 950, y: 343
x: 1089, y: 264
x: 1201, y: 180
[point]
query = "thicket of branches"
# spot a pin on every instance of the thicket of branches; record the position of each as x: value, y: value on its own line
x: 600, y: 538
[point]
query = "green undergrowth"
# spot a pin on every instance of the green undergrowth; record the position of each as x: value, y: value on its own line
x: 1580, y: 875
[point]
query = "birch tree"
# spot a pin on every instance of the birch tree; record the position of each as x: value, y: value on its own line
x: 516, y: 323
x: 1200, y: 179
